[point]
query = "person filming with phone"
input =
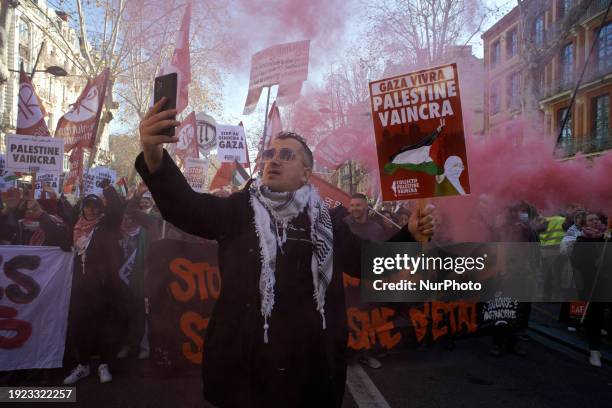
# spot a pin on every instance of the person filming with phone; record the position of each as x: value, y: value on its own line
x: 278, y: 332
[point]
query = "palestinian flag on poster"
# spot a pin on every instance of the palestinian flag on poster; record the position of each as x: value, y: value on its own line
x: 122, y: 187
x: 424, y: 156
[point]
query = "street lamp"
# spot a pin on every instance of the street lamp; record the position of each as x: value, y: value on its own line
x: 53, y: 70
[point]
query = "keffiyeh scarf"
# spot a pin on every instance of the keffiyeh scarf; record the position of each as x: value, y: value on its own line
x: 273, y: 213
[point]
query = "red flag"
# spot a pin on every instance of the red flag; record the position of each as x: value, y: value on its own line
x: 76, y: 169
x: 223, y: 177
x: 332, y: 195
x: 79, y: 125
x: 31, y: 113
x: 187, y: 146
x: 181, y: 61
x: 274, y: 126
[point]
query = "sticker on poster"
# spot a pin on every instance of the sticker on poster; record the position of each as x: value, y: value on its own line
x: 420, y: 141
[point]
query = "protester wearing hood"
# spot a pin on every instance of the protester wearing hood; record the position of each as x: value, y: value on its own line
x: 141, y: 227
x: 586, y: 256
x: 278, y: 332
x: 98, y: 296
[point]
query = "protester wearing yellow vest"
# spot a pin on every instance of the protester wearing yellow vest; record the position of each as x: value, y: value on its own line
x: 552, y: 260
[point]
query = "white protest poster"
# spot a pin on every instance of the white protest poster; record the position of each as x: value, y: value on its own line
x: 52, y: 179
x: 93, y: 178
x: 35, y: 282
x: 30, y: 154
x: 206, y: 132
x: 282, y: 64
x: 7, y: 178
x: 195, y: 173
x: 231, y: 144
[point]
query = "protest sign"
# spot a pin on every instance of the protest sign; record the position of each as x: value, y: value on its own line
x: 187, y: 145
x: 30, y: 154
x: 332, y: 195
x: 419, y: 134
x: 195, y: 173
x: 7, y: 178
x: 282, y: 64
x: 52, y: 179
x: 92, y: 180
x: 79, y: 125
x: 206, y: 131
x: 36, y: 283
x: 231, y: 144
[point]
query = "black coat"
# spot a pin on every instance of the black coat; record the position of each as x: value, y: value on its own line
x: 302, y: 364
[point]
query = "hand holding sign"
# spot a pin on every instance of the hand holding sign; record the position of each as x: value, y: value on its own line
x: 151, y: 133
x: 421, y: 224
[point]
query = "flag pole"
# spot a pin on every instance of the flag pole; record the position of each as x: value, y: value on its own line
x: 265, y: 129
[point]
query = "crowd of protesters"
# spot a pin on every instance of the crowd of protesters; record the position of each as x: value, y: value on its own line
x: 111, y: 235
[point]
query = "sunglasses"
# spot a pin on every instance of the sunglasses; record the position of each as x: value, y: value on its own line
x: 284, y: 154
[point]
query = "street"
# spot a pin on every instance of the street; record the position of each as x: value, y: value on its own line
x: 426, y: 377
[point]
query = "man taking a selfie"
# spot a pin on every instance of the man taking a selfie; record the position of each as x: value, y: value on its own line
x: 278, y: 332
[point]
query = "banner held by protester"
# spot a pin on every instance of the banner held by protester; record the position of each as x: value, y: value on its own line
x: 28, y: 154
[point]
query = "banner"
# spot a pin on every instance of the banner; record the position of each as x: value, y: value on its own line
x: 30, y: 110
x: 181, y: 62
x: 30, y: 154
x: 36, y: 283
x: 332, y: 195
x: 187, y: 145
x: 93, y: 178
x: 52, y: 179
x: 185, y: 283
x: 231, y: 144
x: 79, y: 125
x: 282, y: 64
x: 195, y: 173
x: 418, y: 128
x: 7, y: 178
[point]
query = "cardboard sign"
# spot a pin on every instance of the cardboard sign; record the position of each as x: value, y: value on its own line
x: 30, y: 154
x: 231, y: 144
x: 52, y: 179
x: 92, y: 180
x: 283, y: 64
x: 195, y: 173
x: 418, y: 127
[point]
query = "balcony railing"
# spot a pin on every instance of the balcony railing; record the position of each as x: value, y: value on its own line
x: 592, y: 144
x: 597, y: 69
x: 557, y: 29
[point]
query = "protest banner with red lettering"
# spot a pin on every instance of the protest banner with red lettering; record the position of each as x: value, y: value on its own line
x: 195, y: 173
x: 29, y: 154
x: 187, y: 145
x: 30, y: 110
x: 35, y: 283
x: 418, y: 127
x: 282, y: 64
x: 185, y: 283
x: 79, y: 125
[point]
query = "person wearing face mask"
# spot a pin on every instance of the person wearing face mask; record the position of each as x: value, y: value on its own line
x: 98, y: 296
x: 141, y: 227
x: 586, y: 258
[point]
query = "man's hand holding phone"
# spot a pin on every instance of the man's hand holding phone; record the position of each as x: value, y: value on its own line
x: 152, y: 133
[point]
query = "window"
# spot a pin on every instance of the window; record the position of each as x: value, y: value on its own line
x: 512, y: 43
x: 604, y: 48
x: 512, y: 84
x: 567, y: 64
x: 601, y: 120
x: 24, y: 45
x: 495, y: 53
x: 564, y: 7
x: 566, y: 131
x: 538, y: 31
x: 495, y: 99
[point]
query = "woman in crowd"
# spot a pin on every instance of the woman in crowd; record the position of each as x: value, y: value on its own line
x: 98, y: 295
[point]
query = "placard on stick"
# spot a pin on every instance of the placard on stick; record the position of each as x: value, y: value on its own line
x: 419, y: 134
x: 32, y: 154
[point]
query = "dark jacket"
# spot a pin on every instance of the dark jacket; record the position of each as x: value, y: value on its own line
x: 587, y: 258
x: 302, y: 364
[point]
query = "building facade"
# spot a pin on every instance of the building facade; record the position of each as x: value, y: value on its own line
x: 570, y: 32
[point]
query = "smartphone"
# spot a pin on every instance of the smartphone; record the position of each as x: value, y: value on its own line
x: 166, y: 85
